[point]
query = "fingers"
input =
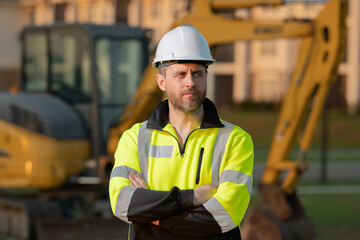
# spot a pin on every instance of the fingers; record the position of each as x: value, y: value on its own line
x: 137, y: 181
x: 203, y: 193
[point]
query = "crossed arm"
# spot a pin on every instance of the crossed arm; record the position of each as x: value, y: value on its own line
x: 201, y: 194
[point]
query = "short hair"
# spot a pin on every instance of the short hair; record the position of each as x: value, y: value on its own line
x: 163, y: 65
x: 162, y: 70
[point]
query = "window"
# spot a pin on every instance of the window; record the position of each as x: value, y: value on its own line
x: 268, y: 90
x: 35, y: 61
x: 268, y: 47
x: 121, y: 14
x: 70, y: 65
x: 154, y: 8
x: 120, y: 64
x: 60, y: 12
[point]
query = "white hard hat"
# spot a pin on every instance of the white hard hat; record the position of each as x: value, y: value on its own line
x: 183, y: 43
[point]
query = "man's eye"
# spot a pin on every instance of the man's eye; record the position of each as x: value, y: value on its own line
x: 181, y: 75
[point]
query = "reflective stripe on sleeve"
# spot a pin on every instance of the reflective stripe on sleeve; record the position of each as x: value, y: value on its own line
x: 122, y: 171
x: 236, y: 177
x: 219, y: 213
x: 218, y: 151
x: 161, y: 151
x: 144, y: 138
x: 123, y: 202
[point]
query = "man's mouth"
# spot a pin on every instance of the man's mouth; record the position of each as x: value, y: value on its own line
x: 191, y: 93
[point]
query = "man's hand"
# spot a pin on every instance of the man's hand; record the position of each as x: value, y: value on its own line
x: 137, y: 181
x: 203, y: 193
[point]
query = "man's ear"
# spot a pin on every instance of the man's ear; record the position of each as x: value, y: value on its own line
x: 161, y: 82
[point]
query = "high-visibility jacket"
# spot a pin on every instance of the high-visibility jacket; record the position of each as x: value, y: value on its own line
x: 216, y: 153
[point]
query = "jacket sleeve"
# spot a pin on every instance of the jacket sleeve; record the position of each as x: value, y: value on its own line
x: 138, y: 205
x: 225, y: 210
x: 195, y: 222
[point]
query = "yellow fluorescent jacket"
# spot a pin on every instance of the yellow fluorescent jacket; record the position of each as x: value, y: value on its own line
x: 216, y: 153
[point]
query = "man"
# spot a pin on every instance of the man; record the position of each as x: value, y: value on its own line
x: 184, y: 173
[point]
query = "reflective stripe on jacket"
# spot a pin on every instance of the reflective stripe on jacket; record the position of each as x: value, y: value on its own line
x: 216, y: 153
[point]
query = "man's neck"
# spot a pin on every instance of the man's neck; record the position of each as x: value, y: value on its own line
x: 184, y: 123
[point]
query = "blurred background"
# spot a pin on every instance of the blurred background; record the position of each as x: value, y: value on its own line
x: 248, y: 84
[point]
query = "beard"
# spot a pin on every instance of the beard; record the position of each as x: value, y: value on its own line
x: 187, y: 106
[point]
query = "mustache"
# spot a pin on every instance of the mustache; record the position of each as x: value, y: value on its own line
x: 191, y: 90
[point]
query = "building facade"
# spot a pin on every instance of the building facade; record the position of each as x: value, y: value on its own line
x: 257, y: 71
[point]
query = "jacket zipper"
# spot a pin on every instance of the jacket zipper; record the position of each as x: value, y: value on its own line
x: 199, y: 165
x: 182, y: 151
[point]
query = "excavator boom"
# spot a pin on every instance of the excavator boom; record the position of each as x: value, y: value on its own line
x: 201, y: 16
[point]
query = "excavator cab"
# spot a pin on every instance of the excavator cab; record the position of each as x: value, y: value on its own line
x: 96, y: 69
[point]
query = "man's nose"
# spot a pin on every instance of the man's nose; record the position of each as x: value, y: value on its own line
x: 189, y: 80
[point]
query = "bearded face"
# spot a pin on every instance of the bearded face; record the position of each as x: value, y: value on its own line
x: 188, y: 100
x: 184, y: 85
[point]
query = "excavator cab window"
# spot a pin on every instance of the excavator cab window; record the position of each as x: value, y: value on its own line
x: 70, y: 65
x: 119, y: 64
x: 35, y: 61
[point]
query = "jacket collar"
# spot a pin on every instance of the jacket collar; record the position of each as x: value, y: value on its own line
x: 160, y: 116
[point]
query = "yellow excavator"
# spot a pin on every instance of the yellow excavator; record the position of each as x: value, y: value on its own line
x: 76, y: 80
x: 322, y: 47
x: 83, y: 85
